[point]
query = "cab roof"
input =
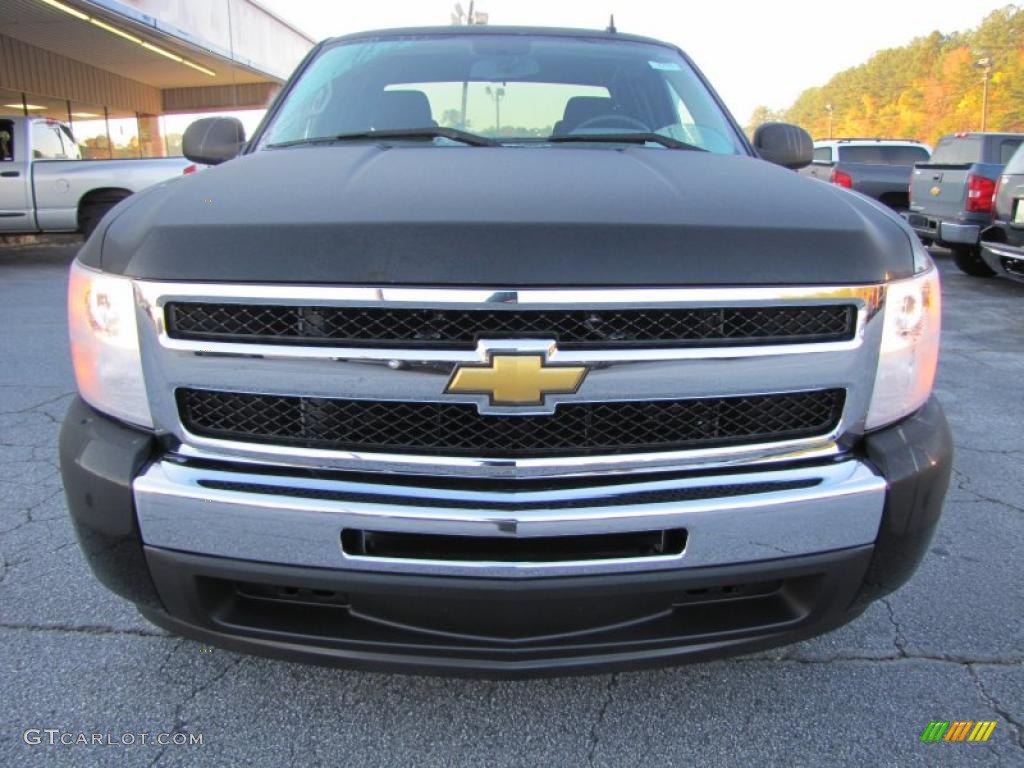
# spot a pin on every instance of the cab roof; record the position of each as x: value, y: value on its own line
x: 482, y: 29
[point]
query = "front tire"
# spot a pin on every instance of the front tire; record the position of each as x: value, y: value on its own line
x: 969, y: 261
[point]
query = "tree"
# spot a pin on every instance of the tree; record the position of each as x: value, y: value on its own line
x: 925, y: 89
x: 760, y: 116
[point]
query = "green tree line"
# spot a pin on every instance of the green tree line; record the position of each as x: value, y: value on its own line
x: 923, y: 90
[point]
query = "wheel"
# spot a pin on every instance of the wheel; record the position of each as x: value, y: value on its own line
x: 90, y: 217
x: 92, y: 211
x: 970, y: 262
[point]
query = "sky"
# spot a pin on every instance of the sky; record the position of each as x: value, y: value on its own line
x: 753, y: 52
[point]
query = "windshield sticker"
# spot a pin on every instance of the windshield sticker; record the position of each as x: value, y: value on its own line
x: 670, y: 66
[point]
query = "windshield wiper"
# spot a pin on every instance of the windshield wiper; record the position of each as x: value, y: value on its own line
x: 454, y: 134
x: 625, y: 138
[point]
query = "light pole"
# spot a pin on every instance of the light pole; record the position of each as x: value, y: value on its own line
x: 829, y: 108
x: 497, y: 94
x: 472, y: 16
x: 985, y: 65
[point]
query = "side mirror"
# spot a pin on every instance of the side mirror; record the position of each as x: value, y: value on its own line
x: 783, y: 144
x: 213, y: 140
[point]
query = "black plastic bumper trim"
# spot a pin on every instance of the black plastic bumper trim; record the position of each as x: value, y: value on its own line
x: 99, y: 459
x: 377, y: 612
x: 916, y: 458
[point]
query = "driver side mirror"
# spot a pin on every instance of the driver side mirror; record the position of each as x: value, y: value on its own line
x: 783, y: 144
x: 212, y: 140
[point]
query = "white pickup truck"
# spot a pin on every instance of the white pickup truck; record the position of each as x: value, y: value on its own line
x: 46, y: 186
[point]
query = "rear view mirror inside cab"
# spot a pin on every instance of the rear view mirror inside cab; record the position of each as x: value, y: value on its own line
x: 502, y: 68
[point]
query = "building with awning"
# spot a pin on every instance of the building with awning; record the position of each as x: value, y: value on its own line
x: 119, y: 70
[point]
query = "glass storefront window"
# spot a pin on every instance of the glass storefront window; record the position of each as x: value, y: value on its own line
x: 173, y: 126
x: 124, y: 136
x: 91, y: 135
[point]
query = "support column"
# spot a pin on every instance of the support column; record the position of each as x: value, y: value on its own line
x: 151, y: 140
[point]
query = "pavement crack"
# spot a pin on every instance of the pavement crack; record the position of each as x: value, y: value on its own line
x: 853, y: 657
x: 595, y: 729
x: 1016, y: 726
x: 180, y: 724
x: 170, y: 654
x: 35, y: 407
x: 898, y: 639
x: 29, y: 510
x: 81, y: 629
x: 991, y: 451
x: 963, y: 483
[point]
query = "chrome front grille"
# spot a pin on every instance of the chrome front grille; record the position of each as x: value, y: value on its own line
x: 356, y: 378
x: 458, y: 429
x: 583, y: 328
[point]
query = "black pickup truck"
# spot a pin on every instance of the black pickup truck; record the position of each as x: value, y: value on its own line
x: 502, y: 351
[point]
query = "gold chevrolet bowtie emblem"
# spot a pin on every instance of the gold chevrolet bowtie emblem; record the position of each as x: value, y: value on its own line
x: 936, y: 191
x: 516, y: 379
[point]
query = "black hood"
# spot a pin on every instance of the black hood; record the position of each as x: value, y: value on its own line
x: 504, y: 217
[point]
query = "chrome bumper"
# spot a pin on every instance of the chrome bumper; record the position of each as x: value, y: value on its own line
x: 1005, y: 259
x: 968, y: 234
x: 298, y: 521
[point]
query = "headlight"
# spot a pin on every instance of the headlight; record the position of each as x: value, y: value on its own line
x: 910, y: 346
x: 105, y: 344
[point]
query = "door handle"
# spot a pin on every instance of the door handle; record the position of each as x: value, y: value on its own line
x: 10, y: 174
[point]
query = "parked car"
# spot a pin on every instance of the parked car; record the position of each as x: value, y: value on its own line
x: 46, y: 186
x: 605, y: 386
x: 1002, y: 244
x: 951, y: 195
x: 878, y: 168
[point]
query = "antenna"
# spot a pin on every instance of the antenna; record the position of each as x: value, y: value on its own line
x: 611, y: 25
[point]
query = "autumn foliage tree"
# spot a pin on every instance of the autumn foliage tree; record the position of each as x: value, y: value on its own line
x: 925, y: 89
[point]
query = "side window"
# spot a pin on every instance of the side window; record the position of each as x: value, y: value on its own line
x: 6, y: 141
x: 1015, y: 165
x: 46, y: 142
x: 1006, y: 150
x: 823, y: 155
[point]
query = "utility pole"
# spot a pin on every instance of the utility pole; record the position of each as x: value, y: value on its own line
x: 471, y: 17
x: 830, y: 109
x: 985, y: 65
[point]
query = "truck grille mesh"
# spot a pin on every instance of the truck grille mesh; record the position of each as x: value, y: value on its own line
x: 462, y: 328
x: 457, y: 429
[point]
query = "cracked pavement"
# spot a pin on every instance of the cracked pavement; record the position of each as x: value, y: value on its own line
x: 948, y: 646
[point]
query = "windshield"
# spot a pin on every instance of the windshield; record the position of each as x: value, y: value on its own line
x: 885, y: 154
x: 509, y: 88
x: 956, y: 150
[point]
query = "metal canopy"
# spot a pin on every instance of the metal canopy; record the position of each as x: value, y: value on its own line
x: 49, y: 28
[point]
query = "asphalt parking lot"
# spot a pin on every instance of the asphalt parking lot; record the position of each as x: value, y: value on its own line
x: 949, y: 646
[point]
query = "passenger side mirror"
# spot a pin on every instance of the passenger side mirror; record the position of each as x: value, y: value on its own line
x: 212, y: 140
x: 783, y: 144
